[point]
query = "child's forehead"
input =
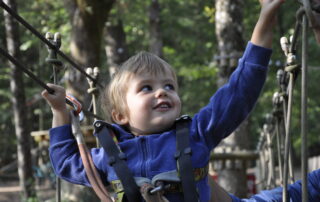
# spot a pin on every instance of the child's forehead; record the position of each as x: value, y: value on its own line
x: 163, y: 73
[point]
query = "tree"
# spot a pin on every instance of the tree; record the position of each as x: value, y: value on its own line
x: 87, y: 18
x: 156, y: 43
x: 228, y: 23
x: 19, y: 109
x: 116, y: 47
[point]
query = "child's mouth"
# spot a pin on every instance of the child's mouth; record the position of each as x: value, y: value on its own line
x: 163, y: 106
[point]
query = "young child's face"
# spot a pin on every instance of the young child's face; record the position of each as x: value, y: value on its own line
x: 153, y: 103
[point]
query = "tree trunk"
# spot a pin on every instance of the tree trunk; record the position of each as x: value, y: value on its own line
x: 156, y: 43
x: 19, y: 109
x: 88, y: 18
x: 231, y: 44
x: 116, y: 47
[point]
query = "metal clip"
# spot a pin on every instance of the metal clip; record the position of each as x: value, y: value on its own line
x: 161, y: 186
x: 77, y: 107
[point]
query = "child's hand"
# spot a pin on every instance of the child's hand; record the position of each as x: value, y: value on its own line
x: 269, y: 10
x: 57, y: 100
x: 263, y: 31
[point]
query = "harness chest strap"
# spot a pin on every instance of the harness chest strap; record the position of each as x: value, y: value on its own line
x: 182, y: 155
x: 184, y: 163
x: 117, y: 161
x: 199, y: 174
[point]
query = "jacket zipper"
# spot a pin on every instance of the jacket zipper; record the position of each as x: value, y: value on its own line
x: 144, y: 157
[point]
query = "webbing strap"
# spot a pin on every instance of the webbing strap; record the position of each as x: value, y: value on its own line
x: 117, y: 161
x: 183, y: 156
x: 170, y: 177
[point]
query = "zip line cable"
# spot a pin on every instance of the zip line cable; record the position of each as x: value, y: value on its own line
x: 305, y: 11
x: 25, y: 70
x: 49, y: 44
x: 43, y: 39
x: 38, y: 81
x: 90, y: 169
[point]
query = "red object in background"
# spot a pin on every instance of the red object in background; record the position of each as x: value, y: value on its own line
x: 251, y: 183
x: 215, y: 178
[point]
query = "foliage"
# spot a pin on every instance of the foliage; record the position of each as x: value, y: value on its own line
x: 188, y: 38
x: 7, y: 140
x: 33, y: 54
x: 189, y: 45
x: 286, y: 22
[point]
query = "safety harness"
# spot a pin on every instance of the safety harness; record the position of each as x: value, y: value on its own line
x: 183, y: 157
x: 127, y: 187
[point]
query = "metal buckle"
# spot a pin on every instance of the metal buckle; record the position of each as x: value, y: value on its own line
x: 160, y: 187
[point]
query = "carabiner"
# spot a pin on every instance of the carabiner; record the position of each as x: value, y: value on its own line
x: 77, y: 107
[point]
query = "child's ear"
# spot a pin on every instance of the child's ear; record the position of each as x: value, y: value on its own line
x: 119, y: 118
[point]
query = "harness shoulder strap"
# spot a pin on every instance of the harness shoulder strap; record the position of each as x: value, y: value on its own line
x: 183, y: 157
x: 117, y: 161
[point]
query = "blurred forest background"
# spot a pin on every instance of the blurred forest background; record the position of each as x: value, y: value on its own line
x: 104, y: 33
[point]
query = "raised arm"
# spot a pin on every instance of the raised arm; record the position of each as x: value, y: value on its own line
x: 263, y: 31
x: 234, y: 101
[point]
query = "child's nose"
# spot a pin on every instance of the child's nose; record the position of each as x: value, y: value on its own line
x: 161, y: 92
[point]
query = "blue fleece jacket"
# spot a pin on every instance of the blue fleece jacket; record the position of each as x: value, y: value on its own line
x: 294, y: 191
x: 150, y: 155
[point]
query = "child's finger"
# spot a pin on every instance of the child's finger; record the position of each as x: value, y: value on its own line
x: 272, y: 2
x: 44, y: 93
x: 53, y: 86
x: 269, y: 8
x: 57, y: 89
x: 59, y: 92
x: 277, y: 2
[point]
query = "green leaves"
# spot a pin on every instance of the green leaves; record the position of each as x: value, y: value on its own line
x: 187, y: 30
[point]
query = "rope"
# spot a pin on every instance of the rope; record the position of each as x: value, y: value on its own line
x: 286, y: 80
x: 43, y: 39
x: 287, y: 140
x: 304, y: 102
x: 37, y: 80
x: 91, y: 171
x: 25, y: 70
x: 93, y: 91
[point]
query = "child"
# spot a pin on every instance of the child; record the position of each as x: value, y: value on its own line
x: 144, y: 104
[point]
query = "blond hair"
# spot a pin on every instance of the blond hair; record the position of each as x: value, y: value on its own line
x: 114, y: 97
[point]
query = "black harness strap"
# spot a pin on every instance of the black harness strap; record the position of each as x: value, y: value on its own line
x: 117, y: 161
x: 183, y: 157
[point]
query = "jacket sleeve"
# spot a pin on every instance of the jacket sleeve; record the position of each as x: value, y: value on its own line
x: 294, y: 191
x: 231, y: 104
x: 65, y: 157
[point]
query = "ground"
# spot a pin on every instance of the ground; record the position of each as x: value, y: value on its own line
x: 10, y: 191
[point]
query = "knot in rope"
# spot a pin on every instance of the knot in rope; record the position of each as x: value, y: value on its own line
x: 56, y: 41
x: 277, y: 100
x: 93, y: 90
x: 292, y: 68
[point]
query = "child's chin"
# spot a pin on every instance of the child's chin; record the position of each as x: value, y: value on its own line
x: 164, y: 120
x: 166, y: 124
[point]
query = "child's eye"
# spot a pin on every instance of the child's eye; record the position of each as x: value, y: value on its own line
x: 146, y: 88
x: 169, y: 87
